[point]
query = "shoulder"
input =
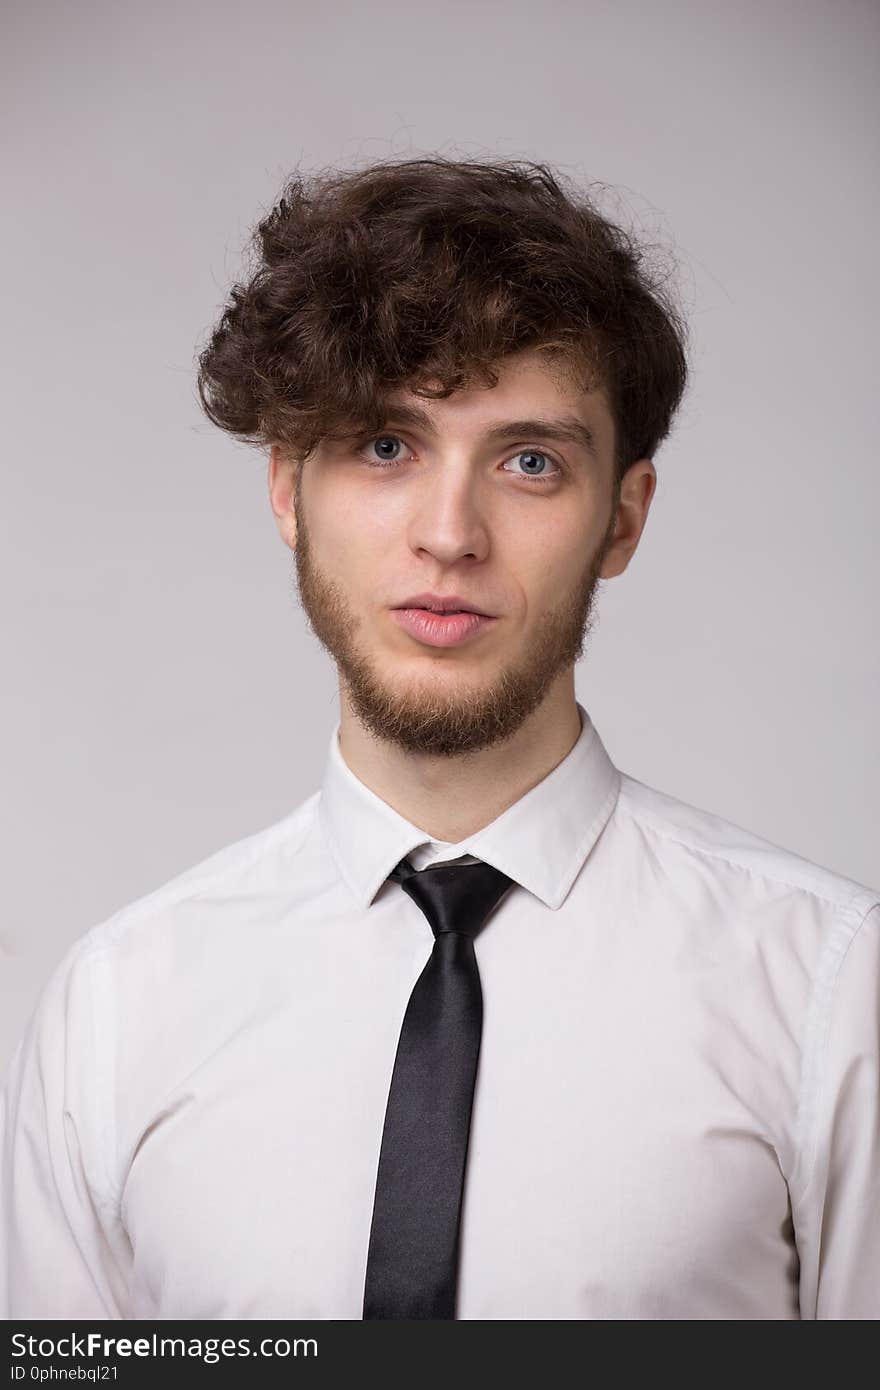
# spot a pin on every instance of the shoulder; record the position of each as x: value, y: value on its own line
x: 248, y: 869
x: 720, y: 848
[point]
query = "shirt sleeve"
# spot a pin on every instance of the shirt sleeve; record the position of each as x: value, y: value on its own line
x: 57, y: 1258
x: 837, y: 1210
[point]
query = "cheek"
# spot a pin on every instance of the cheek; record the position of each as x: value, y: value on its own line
x: 359, y: 526
x: 549, y: 558
x: 350, y: 545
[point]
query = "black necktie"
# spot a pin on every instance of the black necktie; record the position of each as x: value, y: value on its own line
x: 412, y: 1263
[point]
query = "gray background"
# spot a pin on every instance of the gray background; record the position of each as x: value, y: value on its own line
x: 162, y: 695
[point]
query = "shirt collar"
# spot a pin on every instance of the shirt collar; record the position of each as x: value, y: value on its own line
x: 541, y: 841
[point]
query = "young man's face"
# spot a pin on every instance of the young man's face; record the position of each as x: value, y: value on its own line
x: 460, y: 513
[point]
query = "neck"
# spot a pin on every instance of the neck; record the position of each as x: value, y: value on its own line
x: 451, y: 798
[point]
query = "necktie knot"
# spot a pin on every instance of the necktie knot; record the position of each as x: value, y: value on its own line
x: 453, y: 897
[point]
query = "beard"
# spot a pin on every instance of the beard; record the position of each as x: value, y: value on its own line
x: 429, y: 715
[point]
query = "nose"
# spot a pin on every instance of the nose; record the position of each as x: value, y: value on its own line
x: 448, y: 519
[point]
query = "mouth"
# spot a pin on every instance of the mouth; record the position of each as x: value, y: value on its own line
x: 446, y: 629
x: 438, y: 604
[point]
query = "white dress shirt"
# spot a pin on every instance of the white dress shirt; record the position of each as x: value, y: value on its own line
x: 676, y: 1112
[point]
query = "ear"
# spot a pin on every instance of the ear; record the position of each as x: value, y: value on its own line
x: 282, y: 486
x: 637, y: 489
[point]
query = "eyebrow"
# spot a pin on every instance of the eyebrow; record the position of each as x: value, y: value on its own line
x: 563, y: 428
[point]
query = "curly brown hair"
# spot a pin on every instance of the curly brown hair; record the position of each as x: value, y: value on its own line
x: 420, y: 271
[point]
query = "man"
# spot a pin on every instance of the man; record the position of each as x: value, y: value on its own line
x: 484, y: 1028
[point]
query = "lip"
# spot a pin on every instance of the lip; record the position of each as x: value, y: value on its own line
x: 441, y: 629
x: 442, y: 601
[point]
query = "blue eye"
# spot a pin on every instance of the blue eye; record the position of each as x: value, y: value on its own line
x: 389, y: 446
x: 537, y: 477
x: 383, y: 439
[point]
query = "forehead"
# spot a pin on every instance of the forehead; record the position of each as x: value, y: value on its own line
x: 532, y: 390
x: 547, y: 376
